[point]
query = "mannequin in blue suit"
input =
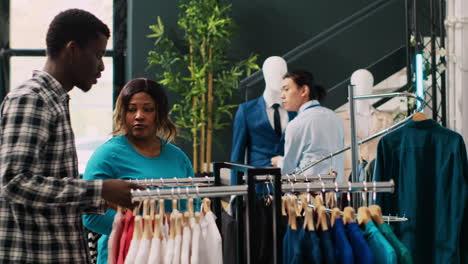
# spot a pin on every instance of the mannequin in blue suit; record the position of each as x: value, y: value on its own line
x: 254, y: 134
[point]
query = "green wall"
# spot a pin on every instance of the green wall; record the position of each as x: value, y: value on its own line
x: 275, y: 27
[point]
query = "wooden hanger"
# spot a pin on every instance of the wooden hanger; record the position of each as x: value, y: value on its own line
x: 152, y: 208
x: 147, y: 230
x: 179, y: 219
x: 172, y: 226
x: 418, y: 116
x: 309, y: 219
x: 197, y: 217
x: 136, y: 210
x: 335, y: 214
x: 206, y: 205
x: 364, y: 215
x: 187, y: 219
x: 138, y: 231
x: 292, y: 200
x: 174, y: 204
x: 322, y: 218
x: 145, y: 208
x: 376, y: 214
x: 284, y: 206
x: 157, y: 226
x: 190, y: 207
x: 348, y: 215
x: 304, y: 204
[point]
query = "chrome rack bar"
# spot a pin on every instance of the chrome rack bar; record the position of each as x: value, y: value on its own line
x: 210, y: 180
x: 217, y: 191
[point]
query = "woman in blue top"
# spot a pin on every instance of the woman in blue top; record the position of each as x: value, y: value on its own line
x: 140, y: 149
x: 315, y: 132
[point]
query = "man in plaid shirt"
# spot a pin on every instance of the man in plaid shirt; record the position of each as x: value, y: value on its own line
x: 42, y: 198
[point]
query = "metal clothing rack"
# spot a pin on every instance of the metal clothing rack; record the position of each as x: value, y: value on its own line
x: 209, y: 181
x: 220, y: 191
x: 249, y: 191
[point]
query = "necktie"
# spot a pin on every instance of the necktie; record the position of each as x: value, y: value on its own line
x: 276, y: 120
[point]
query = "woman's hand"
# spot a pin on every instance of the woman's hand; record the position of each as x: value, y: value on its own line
x: 274, y: 160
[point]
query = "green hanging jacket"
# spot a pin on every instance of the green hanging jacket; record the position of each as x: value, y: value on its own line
x: 429, y: 166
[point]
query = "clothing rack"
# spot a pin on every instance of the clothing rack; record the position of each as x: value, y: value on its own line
x: 249, y: 192
x: 220, y: 191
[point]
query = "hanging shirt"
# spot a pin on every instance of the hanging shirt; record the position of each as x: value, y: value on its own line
x: 196, y: 241
x: 133, y: 251
x: 112, y: 161
x: 361, y: 251
x: 212, y: 240
x: 328, y: 249
x: 155, y: 251
x: 143, y: 249
x: 291, y: 247
x: 383, y: 251
x: 429, y: 166
x: 127, y: 233
x: 343, y: 250
x: 169, y: 251
x: 177, y: 249
x: 402, y: 252
x: 310, y: 247
x: 114, y: 238
x: 229, y: 234
x: 186, y: 239
x: 313, y: 134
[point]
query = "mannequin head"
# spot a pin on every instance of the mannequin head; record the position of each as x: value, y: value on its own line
x: 274, y: 68
x: 363, y: 80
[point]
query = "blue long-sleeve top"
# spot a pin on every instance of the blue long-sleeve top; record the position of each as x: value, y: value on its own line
x: 383, y: 251
x: 117, y: 159
x: 343, y: 249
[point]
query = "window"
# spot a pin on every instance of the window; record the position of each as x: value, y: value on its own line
x: 91, y: 112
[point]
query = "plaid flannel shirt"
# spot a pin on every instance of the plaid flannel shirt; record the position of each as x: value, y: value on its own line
x: 42, y: 198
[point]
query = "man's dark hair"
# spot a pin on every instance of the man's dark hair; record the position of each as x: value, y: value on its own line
x: 73, y: 24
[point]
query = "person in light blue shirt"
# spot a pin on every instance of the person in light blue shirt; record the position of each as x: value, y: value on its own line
x: 141, y: 148
x: 315, y: 132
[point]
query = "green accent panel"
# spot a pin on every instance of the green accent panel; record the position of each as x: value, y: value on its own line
x: 275, y: 27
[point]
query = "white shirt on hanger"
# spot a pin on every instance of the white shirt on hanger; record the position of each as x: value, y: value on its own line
x: 196, y: 241
x: 155, y: 251
x: 186, y: 239
x: 212, y: 240
x: 143, y: 251
x: 177, y: 249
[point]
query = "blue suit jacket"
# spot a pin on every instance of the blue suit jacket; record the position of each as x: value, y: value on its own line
x: 253, y: 132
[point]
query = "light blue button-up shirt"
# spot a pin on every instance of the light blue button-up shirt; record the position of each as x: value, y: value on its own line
x: 313, y: 134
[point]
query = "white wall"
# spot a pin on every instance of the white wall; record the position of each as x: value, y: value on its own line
x: 457, y: 66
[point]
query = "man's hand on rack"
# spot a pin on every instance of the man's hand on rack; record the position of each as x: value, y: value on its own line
x: 274, y: 160
x: 118, y: 192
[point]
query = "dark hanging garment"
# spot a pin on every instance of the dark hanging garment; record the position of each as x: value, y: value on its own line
x: 343, y: 250
x: 328, y: 249
x: 310, y: 247
x: 429, y: 166
x: 361, y: 251
x: 229, y: 231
